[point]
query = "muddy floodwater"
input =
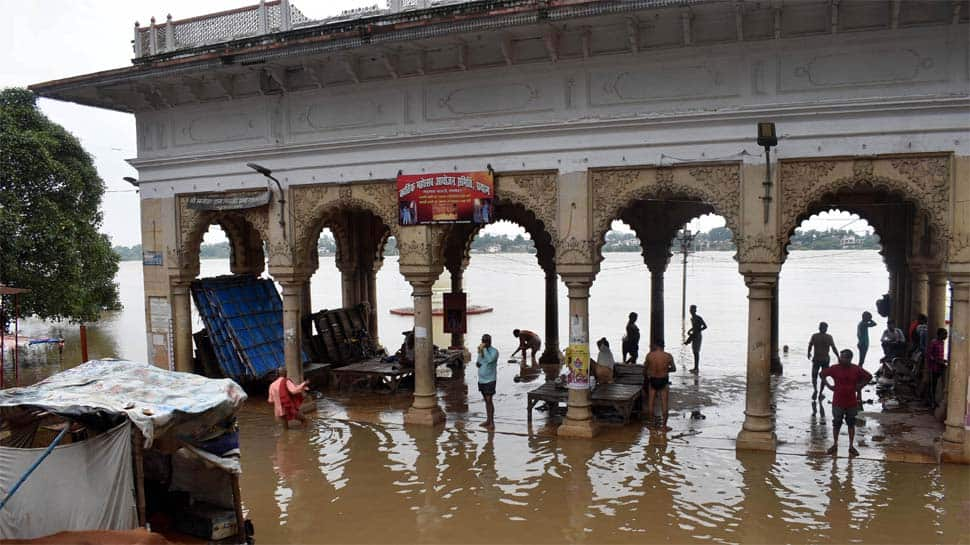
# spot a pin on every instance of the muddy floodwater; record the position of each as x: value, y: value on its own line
x: 357, y: 475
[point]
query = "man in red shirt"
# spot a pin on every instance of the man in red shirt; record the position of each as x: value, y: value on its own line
x: 849, y: 380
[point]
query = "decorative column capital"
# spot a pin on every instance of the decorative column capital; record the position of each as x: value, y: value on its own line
x: 421, y: 279
x: 656, y: 258
x: 760, y: 284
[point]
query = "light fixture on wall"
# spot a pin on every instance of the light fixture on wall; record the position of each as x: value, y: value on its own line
x: 269, y: 174
x: 767, y: 139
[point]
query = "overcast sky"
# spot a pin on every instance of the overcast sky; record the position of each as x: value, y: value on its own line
x: 42, y: 40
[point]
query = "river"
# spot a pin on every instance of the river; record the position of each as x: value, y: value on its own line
x: 357, y: 475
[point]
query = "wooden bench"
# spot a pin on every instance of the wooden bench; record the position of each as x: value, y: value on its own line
x: 388, y: 374
x: 624, y: 398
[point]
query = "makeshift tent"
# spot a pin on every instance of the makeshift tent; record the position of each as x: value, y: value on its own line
x: 243, y: 316
x: 115, y: 410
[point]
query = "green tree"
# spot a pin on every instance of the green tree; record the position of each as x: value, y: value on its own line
x: 50, y: 195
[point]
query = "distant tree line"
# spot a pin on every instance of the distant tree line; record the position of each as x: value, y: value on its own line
x: 717, y: 239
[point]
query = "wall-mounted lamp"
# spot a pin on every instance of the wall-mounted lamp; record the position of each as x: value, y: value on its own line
x: 269, y: 174
x: 767, y: 139
x: 131, y: 181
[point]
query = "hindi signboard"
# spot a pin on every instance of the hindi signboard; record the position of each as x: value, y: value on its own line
x: 229, y: 201
x: 448, y: 197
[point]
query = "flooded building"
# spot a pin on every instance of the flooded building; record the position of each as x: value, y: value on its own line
x: 586, y: 112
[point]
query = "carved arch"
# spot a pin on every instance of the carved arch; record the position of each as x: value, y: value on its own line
x: 316, y: 206
x: 922, y: 181
x: 239, y: 225
x: 614, y: 190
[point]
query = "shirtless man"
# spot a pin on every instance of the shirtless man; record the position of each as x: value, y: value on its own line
x: 527, y: 341
x: 820, y: 343
x: 656, y: 370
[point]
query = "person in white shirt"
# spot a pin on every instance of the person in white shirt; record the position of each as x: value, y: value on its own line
x: 604, y: 362
x: 893, y: 341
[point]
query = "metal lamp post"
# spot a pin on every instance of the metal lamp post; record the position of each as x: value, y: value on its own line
x: 767, y: 139
x: 269, y: 174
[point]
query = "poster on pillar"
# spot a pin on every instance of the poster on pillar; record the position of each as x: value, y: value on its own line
x: 446, y: 197
x: 577, y: 361
x: 455, y: 307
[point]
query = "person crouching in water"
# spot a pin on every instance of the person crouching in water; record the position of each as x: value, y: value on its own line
x: 287, y: 398
x: 604, y: 362
x: 487, y: 364
x: 656, y: 370
x: 849, y: 380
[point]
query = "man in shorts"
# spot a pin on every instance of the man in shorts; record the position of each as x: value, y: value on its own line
x: 847, y: 395
x: 631, y: 340
x: 527, y: 341
x: 818, y: 353
x: 656, y: 370
x: 487, y: 364
x: 695, y: 336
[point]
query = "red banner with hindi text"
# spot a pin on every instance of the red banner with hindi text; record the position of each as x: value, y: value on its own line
x: 448, y: 197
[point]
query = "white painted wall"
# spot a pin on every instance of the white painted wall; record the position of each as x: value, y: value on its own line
x: 889, y: 91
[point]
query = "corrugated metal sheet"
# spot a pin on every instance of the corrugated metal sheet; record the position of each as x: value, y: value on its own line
x: 244, y: 317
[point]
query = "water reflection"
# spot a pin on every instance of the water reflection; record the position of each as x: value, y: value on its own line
x: 359, y: 482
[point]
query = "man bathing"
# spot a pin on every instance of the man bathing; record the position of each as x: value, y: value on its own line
x: 656, y: 370
x: 527, y: 341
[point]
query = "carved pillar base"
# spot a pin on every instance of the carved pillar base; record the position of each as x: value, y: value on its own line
x: 424, y: 416
x: 579, y: 418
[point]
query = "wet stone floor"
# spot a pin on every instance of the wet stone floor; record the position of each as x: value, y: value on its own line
x: 357, y: 475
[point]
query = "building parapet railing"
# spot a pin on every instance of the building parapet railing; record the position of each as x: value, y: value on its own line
x: 264, y: 18
x: 267, y: 17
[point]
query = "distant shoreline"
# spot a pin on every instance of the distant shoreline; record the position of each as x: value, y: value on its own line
x: 135, y: 258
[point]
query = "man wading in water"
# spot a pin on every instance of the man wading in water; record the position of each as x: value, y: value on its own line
x: 849, y: 380
x: 527, y: 341
x: 487, y: 364
x: 656, y: 369
x: 631, y: 341
x: 695, y: 337
x: 820, y: 343
x: 287, y: 398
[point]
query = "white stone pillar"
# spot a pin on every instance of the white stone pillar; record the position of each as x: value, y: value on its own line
x: 579, y: 416
x: 181, y: 324
x: 954, y: 436
x: 292, y: 344
x: 758, y: 430
x: 424, y: 409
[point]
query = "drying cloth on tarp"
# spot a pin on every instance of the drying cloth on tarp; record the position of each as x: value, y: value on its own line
x: 80, y: 486
x: 157, y: 401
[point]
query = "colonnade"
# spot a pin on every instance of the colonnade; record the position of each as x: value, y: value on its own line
x: 568, y: 215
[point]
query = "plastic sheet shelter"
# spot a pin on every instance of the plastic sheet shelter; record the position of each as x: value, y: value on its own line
x: 98, y: 482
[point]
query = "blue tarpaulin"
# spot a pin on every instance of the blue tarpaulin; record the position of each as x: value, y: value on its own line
x: 244, y: 317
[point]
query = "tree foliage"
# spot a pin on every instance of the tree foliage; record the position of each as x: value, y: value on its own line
x: 50, y: 195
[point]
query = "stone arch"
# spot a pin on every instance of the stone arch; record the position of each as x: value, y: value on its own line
x: 533, y: 194
x: 920, y: 180
x: 458, y: 246
x: 717, y: 185
x: 240, y: 226
x: 316, y: 206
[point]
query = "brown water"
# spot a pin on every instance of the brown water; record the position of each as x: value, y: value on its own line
x: 357, y: 475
